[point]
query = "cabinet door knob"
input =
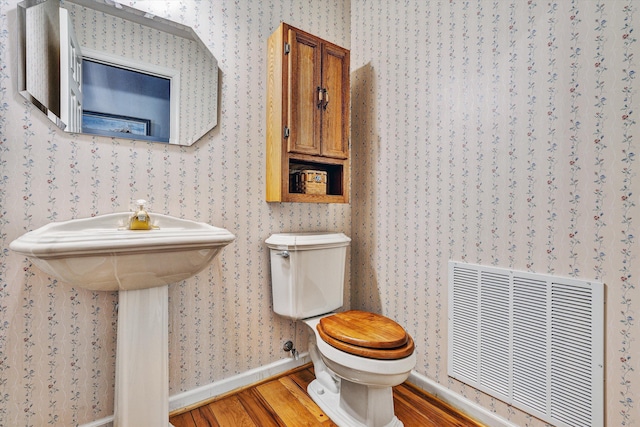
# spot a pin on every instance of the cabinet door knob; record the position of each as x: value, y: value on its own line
x: 319, y: 97
x: 326, y: 98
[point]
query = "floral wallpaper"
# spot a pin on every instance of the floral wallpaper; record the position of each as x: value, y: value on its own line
x: 501, y: 133
x: 494, y: 132
x: 57, y: 343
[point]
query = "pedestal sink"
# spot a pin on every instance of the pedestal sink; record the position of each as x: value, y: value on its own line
x: 101, y: 254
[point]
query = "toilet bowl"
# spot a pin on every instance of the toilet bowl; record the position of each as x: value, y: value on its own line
x: 357, y: 356
x: 355, y: 391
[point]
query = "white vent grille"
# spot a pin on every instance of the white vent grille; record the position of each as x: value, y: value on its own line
x: 534, y: 341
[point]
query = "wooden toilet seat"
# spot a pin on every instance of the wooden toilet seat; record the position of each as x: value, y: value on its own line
x: 366, y: 334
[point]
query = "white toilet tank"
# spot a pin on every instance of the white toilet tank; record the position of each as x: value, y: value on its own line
x: 307, y: 272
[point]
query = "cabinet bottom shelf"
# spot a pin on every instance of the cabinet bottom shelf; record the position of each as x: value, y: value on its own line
x: 308, y: 181
x: 314, y: 198
x: 314, y: 180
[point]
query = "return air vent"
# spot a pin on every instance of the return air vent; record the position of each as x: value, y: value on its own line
x: 534, y: 341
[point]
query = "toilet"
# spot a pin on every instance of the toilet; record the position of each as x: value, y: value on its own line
x: 357, y: 356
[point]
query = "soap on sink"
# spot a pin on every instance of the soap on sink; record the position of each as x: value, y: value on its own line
x: 140, y: 219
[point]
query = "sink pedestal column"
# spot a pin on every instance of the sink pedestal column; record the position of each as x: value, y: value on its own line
x: 142, y: 358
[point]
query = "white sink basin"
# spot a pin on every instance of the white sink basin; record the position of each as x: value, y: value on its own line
x: 99, y: 253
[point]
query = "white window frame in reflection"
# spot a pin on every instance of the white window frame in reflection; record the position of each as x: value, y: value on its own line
x: 172, y: 75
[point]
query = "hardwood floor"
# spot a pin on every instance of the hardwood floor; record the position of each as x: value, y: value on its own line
x: 283, y: 401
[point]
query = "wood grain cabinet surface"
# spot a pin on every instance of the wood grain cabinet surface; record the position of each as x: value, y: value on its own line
x: 307, y: 115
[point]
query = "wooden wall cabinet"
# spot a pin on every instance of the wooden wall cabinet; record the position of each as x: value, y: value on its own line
x: 307, y: 115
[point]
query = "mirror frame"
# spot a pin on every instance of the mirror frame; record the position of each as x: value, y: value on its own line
x: 137, y: 17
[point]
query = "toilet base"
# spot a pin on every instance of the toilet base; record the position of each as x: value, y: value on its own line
x: 356, y: 405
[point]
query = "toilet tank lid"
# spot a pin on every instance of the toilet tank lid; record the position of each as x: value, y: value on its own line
x: 306, y: 241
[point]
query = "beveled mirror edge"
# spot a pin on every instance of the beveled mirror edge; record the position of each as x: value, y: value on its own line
x: 22, y: 62
x: 138, y: 16
x: 124, y: 12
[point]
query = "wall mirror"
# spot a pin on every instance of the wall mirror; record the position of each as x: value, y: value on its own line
x: 100, y: 67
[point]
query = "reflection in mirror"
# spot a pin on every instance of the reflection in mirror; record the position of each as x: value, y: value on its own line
x: 115, y: 89
x: 103, y: 68
x: 109, y: 90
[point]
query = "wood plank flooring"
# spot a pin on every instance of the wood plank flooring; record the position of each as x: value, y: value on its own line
x: 284, y: 402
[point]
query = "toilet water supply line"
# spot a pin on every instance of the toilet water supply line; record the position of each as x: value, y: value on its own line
x: 325, y: 377
x: 289, y: 346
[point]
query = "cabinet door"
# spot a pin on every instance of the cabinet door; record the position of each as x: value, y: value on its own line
x: 304, y: 87
x: 335, y: 82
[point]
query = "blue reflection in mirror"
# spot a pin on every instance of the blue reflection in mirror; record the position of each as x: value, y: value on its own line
x: 125, y: 103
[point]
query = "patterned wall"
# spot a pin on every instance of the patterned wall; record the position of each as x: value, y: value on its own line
x: 502, y: 133
x: 57, y: 343
x: 495, y: 132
